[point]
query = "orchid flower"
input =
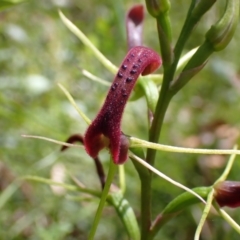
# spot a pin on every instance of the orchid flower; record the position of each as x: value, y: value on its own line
x: 105, y: 129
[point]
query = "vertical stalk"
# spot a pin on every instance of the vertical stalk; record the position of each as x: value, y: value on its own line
x: 170, y: 61
x: 146, y: 207
x: 109, y: 180
x: 162, y: 105
x: 146, y: 196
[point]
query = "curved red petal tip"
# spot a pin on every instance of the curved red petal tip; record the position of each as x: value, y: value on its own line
x: 123, y: 152
x: 136, y: 14
x: 93, y: 140
x: 72, y: 139
x: 107, y: 123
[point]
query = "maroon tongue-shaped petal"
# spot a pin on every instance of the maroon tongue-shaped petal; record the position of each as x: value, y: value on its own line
x: 105, y: 129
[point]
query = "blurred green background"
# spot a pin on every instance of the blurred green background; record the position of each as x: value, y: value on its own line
x: 36, y: 52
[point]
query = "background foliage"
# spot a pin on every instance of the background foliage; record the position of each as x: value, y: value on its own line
x: 36, y: 52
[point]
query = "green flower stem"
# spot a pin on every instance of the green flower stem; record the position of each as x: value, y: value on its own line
x: 63, y: 185
x: 195, y: 12
x: 176, y: 206
x: 184, y: 35
x: 95, y: 78
x: 70, y: 98
x: 159, y: 9
x: 111, y: 67
x: 153, y: 137
x: 159, y: 114
x: 142, y: 171
x: 165, y: 94
x: 110, y: 176
x: 227, y: 218
x: 165, y: 177
x: 146, y: 199
x: 136, y: 142
x: 211, y: 198
x: 228, y: 168
x: 53, y: 141
x: 122, y: 180
x: 195, y: 64
x: 204, y: 215
x: 145, y: 178
x: 165, y: 38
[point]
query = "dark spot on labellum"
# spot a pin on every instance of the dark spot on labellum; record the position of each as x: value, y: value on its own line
x: 129, y: 79
x: 139, y: 60
x: 133, y: 71
x: 128, y: 60
x: 114, y: 86
x: 135, y: 65
x: 120, y: 74
x: 124, y: 94
x: 124, y: 66
x: 123, y: 90
x: 132, y: 55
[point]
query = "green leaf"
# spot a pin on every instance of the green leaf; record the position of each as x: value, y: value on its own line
x: 126, y: 214
x: 177, y: 205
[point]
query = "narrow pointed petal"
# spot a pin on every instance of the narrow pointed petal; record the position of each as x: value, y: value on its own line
x: 105, y: 130
x: 72, y: 139
x: 134, y: 25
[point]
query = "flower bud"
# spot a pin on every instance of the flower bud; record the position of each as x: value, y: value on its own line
x: 227, y: 194
x: 222, y: 32
x: 201, y: 7
x: 157, y: 7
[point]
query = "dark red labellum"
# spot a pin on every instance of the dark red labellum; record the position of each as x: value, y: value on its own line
x: 105, y: 130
